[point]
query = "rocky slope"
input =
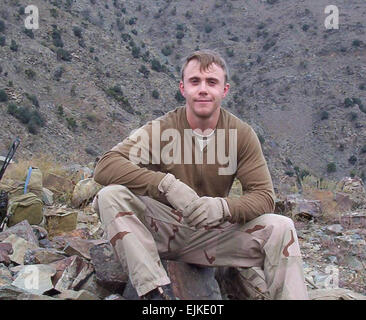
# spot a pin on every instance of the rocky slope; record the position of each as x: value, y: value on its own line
x: 95, y: 70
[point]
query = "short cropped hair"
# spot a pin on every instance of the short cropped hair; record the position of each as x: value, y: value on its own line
x: 206, y: 58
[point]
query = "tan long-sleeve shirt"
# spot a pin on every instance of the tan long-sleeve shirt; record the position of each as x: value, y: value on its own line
x: 142, y: 160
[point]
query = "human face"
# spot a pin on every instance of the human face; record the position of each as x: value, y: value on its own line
x: 203, y: 90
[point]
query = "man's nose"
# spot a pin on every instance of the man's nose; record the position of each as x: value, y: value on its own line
x: 203, y: 88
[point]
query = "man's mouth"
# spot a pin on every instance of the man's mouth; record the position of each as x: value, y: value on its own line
x: 203, y: 100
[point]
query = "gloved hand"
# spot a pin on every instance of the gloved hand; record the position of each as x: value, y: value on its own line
x: 207, y: 211
x: 177, y: 193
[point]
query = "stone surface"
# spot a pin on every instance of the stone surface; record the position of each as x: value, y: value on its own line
x: 188, y: 282
x: 91, y: 284
x: 20, y: 246
x: 47, y: 197
x: 84, y: 192
x: 81, y: 247
x: 10, y: 292
x: 335, y: 294
x: 300, y: 207
x: 77, y: 295
x: 42, y: 256
x: 35, y: 279
x: 5, y: 250
x: 109, y: 272
x: 23, y: 230
x: 57, y: 184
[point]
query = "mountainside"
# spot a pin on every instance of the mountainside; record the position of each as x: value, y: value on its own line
x: 95, y: 70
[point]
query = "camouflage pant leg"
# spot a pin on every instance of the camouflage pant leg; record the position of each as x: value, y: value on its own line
x: 122, y: 214
x: 268, y: 242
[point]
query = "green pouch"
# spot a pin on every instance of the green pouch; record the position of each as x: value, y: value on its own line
x: 25, y: 207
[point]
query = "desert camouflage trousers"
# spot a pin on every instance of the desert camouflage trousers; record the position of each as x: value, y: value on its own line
x: 142, y: 231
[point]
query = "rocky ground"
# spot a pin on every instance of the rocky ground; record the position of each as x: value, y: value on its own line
x: 66, y: 257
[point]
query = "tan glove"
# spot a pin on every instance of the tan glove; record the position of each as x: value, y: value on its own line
x: 177, y: 193
x: 207, y: 211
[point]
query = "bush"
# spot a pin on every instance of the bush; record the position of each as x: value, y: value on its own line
x: 352, y: 160
x: 54, y: 13
x: 348, y: 102
x: 230, y: 52
x: 2, y: 26
x: 63, y: 54
x: 29, y: 33
x: 305, y: 27
x: 179, y: 35
x: 71, y: 124
x: 167, y: 51
x: 145, y: 71
x: 356, y: 43
x: 363, y: 149
x: 91, y: 151
x: 353, y: 116
x: 58, y: 73
x: 56, y: 36
x: 77, y: 31
x: 13, y: 46
x: 3, y: 96
x: 155, y: 94
x: 33, y: 99
x: 135, y: 52
x: 2, y: 41
x: 324, y: 115
x: 208, y: 28
x: 156, y: 65
x: 331, y: 167
x: 31, y: 74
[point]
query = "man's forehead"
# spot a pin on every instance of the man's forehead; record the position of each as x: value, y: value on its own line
x: 194, y: 68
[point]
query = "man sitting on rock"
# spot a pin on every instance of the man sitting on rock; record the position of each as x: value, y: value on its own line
x: 167, y: 187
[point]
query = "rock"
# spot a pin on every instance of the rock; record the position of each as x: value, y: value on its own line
x: 82, y: 233
x: 19, y: 248
x: 344, y: 203
x: 42, y: 256
x: 81, y: 247
x: 60, y: 220
x: 109, y: 271
x: 47, y: 196
x: 84, y: 192
x: 31, y: 296
x: 70, y: 273
x: 23, y: 230
x: 10, y: 292
x: 188, y: 282
x: 335, y: 294
x: 114, y: 297
x: 335, y: 228
x: 77, y: 295
x: 57, y: 184
x: 41, y: 233
x: 353, y: 263
x: 300, y: 207
x: 92, y: 285
x: 5, y: 250
x: 35, y: 279
x: 353, y: 220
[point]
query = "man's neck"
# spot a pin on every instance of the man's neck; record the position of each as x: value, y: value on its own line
x: 202, y: 123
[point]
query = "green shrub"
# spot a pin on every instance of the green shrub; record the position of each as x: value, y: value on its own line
x: 155, y: 94
x: 91, y: 49
x: 324, y: 115
x: 60, y: 111
x: 71, y: 124
x: 56, y: 37
x: 363, y: 149
x: 21, y: 10
x: 2, y: 26
x: 167, y: 50
x: 31, y: 74
x: 2, y: 41
x: 3, y: 96
x: 352, y: 160
x: 188, y: 14
x: 362, y: 86
x: 179, y: 35
x: 331, y: 167
x: 29, y: 33
x: 13, y: 46
x: 356, y: 43
x: 54, y: 13
x: 63, y: 54
x: 77, y: 31
x: 58, y: 73
x: 33, y: 99
x: 305, y: 27
x: 145, y: 71
x: 132, y: 21
x: 156, y: 65
x: 136, y: 52
x: 348, y: 102
x: 353, y: 116
x: 208, y: 28
x: 230, y: 52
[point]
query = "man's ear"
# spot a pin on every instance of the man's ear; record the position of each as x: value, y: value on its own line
x: 181, y: 87
x: 226, y: 89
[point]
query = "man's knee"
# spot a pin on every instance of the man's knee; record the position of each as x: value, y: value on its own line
x: 111, y: 191
x: 279, y: 222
